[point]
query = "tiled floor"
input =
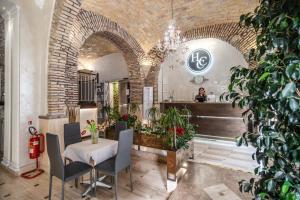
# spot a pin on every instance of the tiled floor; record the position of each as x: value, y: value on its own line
x: 224, y: 154
x: 202, y: 181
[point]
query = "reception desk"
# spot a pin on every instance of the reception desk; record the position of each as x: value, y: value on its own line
x: 213, y: 119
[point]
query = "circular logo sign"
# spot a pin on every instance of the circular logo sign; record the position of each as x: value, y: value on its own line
x: 199, y: 60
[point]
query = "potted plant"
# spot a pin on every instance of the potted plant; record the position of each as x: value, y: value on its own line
x: 270, y: 92
x: 172, y: 121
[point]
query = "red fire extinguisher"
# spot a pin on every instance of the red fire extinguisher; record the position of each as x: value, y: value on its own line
x: 36, y: 146
x: 36, y: 143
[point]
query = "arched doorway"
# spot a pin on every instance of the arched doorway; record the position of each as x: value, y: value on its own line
x: 86, y: 24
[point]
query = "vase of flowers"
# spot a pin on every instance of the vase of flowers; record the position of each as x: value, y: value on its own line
x: 93, y: 128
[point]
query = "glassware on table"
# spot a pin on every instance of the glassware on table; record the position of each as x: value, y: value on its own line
x: 95, y: 137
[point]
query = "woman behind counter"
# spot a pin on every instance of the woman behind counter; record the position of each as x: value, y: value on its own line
x: 201, y: 97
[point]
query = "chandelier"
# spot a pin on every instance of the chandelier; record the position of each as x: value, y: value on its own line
x: 172, y: 37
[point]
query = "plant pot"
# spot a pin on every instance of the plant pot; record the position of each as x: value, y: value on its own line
x: 153, y: 141
x: 176, y: 160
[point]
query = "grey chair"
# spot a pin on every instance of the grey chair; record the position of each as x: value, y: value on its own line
x: 72, y: 133
x: 120, y: 126
x: 58, y: 169
x: 121, y: 161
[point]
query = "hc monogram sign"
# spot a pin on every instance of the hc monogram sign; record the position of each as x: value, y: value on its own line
x: 199, y: 60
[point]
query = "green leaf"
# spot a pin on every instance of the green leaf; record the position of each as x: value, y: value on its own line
x: 293, y: 104
x: 271, y: 185
x: 284, y: 24
x: 239, y: 141
x: 279, y: 175
x: 289, y: 89
x: 264, y: 76
x: 285, y: 188
x: 262, y: 195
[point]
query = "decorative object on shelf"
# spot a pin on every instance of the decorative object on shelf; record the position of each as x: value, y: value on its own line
x: 171, y: 96
x: 199, y: 79
x: 270, y: 94
x: 172, y: 37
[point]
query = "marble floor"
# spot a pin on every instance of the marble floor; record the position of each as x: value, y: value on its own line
x: 224, y: 154
x: 201, y: 181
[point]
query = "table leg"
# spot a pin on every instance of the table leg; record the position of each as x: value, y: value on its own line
x: 96, y: 182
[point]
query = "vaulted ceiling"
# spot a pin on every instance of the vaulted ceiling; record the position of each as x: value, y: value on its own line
x: 97, y: 46
x: 146, y: 20
x: 94, y: 47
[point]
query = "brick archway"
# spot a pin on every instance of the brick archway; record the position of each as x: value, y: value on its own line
x: 241, y: 38
x: 71, y: 26
x: 88, y: 23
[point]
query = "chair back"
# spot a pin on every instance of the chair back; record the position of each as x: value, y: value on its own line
x: 53, y: 150
x: 120, y: 126
x: 123, y: 158
x: 72, y: 133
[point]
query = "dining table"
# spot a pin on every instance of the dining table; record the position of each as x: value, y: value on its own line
x: 92, y: 154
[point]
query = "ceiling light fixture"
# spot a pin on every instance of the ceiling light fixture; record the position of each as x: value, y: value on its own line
x: 172, y: 37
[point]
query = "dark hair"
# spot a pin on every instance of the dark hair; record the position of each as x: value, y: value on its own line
x: 201, y: 88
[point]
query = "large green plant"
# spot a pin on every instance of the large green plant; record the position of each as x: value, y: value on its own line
x: 171, y: 120
x: 269, y: 92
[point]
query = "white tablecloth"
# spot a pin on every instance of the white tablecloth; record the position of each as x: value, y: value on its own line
x: 85, y: 151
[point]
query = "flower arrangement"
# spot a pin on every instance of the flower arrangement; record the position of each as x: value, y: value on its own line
x: 130, y: 119
x: 93, y: 128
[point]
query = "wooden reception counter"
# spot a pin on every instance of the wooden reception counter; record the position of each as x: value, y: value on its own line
x: 213, y: 119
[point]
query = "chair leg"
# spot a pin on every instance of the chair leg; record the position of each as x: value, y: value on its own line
x: 131, y: 187
x: 116, y: 185
x: 76, y: 182
x: 50, y: 187
x: 62, y: 190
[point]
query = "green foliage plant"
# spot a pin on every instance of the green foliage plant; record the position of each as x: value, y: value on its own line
x: 171, y: 120
x: 270, y: 95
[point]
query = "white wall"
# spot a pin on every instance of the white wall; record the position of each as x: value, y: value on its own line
x: 111, y: 67
x: 177, y: 79
x: 34, y: 28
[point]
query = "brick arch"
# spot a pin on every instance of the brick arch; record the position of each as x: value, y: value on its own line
x: 88, y: 23
x: 241, y: 38
x: 70, y: 27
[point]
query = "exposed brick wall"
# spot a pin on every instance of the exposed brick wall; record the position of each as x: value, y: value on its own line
x: 2, y: 61
x: 65, y: 12
x: 88, y: 23
x: 241, y: 38
x: 71, y: 26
